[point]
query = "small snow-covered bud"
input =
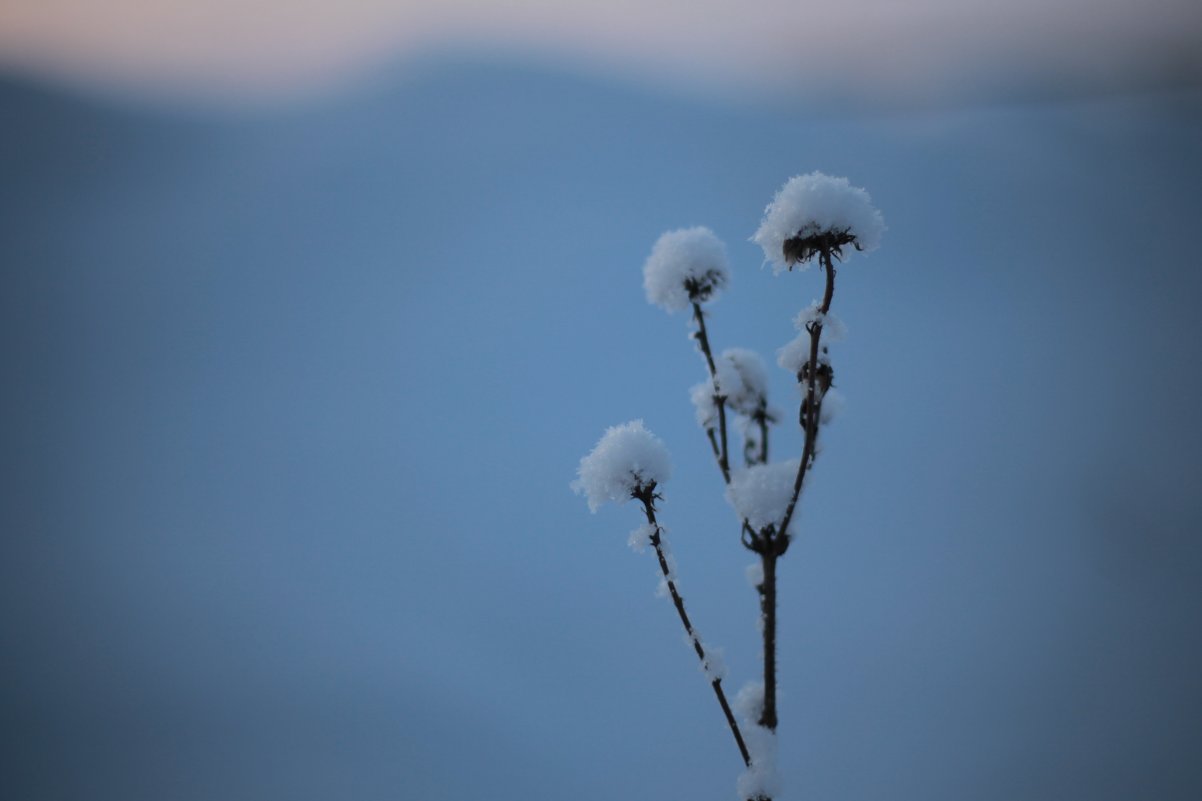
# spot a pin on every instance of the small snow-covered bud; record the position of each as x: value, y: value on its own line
x: 748, y: 388
x: 816, y: 210
x: 627, y: 459
x: 685, y: 266
x: 741, y: 379
x: 795, y: 355
x: 761, y: 493
x: 833, y: 329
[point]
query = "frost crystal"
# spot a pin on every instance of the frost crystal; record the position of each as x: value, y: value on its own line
x: 640, y: 538
x: 628, y: 458
x: 713, y: 666
x: 812, y: 207
x: 761, y: 493
x: 685, y: 266
x: 755, y: 574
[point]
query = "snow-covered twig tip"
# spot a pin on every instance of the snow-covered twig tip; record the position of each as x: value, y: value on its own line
x: 745, y: 382
x: 686, y: 266
x: 626, y: 460
x: 815, y: 207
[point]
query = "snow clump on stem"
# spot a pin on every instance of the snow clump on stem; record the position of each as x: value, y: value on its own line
x: 815, y: 211
x: 628, y: 459
x: 760, y: 780
x: 794, y: 356
x: 747, y: 390
x: 761, y: 493
x: 686, y: 266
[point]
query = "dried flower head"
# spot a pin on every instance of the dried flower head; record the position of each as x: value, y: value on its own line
x: 627, y: 460
x: 686, y: 266
x: 817, y: 212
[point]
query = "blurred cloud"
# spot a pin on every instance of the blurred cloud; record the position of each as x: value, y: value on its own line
x: 765, y: 49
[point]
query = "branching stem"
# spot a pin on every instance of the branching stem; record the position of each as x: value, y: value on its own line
x: 775, y: 541
x: 721, y: 454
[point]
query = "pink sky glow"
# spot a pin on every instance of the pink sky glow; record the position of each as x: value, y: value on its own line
x: 762, y: 48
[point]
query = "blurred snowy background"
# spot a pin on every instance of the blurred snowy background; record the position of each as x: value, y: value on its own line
x: 309, y: 313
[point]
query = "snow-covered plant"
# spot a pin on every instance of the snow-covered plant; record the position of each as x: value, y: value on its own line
x: 813, y: 217
x: 817, y: 214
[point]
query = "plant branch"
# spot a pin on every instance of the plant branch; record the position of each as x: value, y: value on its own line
x: 776, y: 541
x: 762, y: 418
x: 812, y: 402
x: 646, y: 494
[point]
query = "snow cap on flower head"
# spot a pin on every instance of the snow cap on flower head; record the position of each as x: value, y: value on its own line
x: 686, y: 266
x: 627, y: 459
x: 815, y: 209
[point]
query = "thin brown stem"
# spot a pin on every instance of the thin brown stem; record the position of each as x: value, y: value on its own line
x: 709, y: 433
x: 776, y: 542
x: 721, y: 451
x: 647, y: 496
x: 768, y: 609
x: 750, y: 538
x: 810, y: 406
x: 763, y: 421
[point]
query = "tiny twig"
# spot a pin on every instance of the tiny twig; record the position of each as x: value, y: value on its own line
x: 748, y: 535
x: 646, y: 494
x: 721, y: 453
x: 709, y: 433
x: 762, y: 419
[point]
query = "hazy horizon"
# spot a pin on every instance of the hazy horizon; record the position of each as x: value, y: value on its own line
x: 769, y: 51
